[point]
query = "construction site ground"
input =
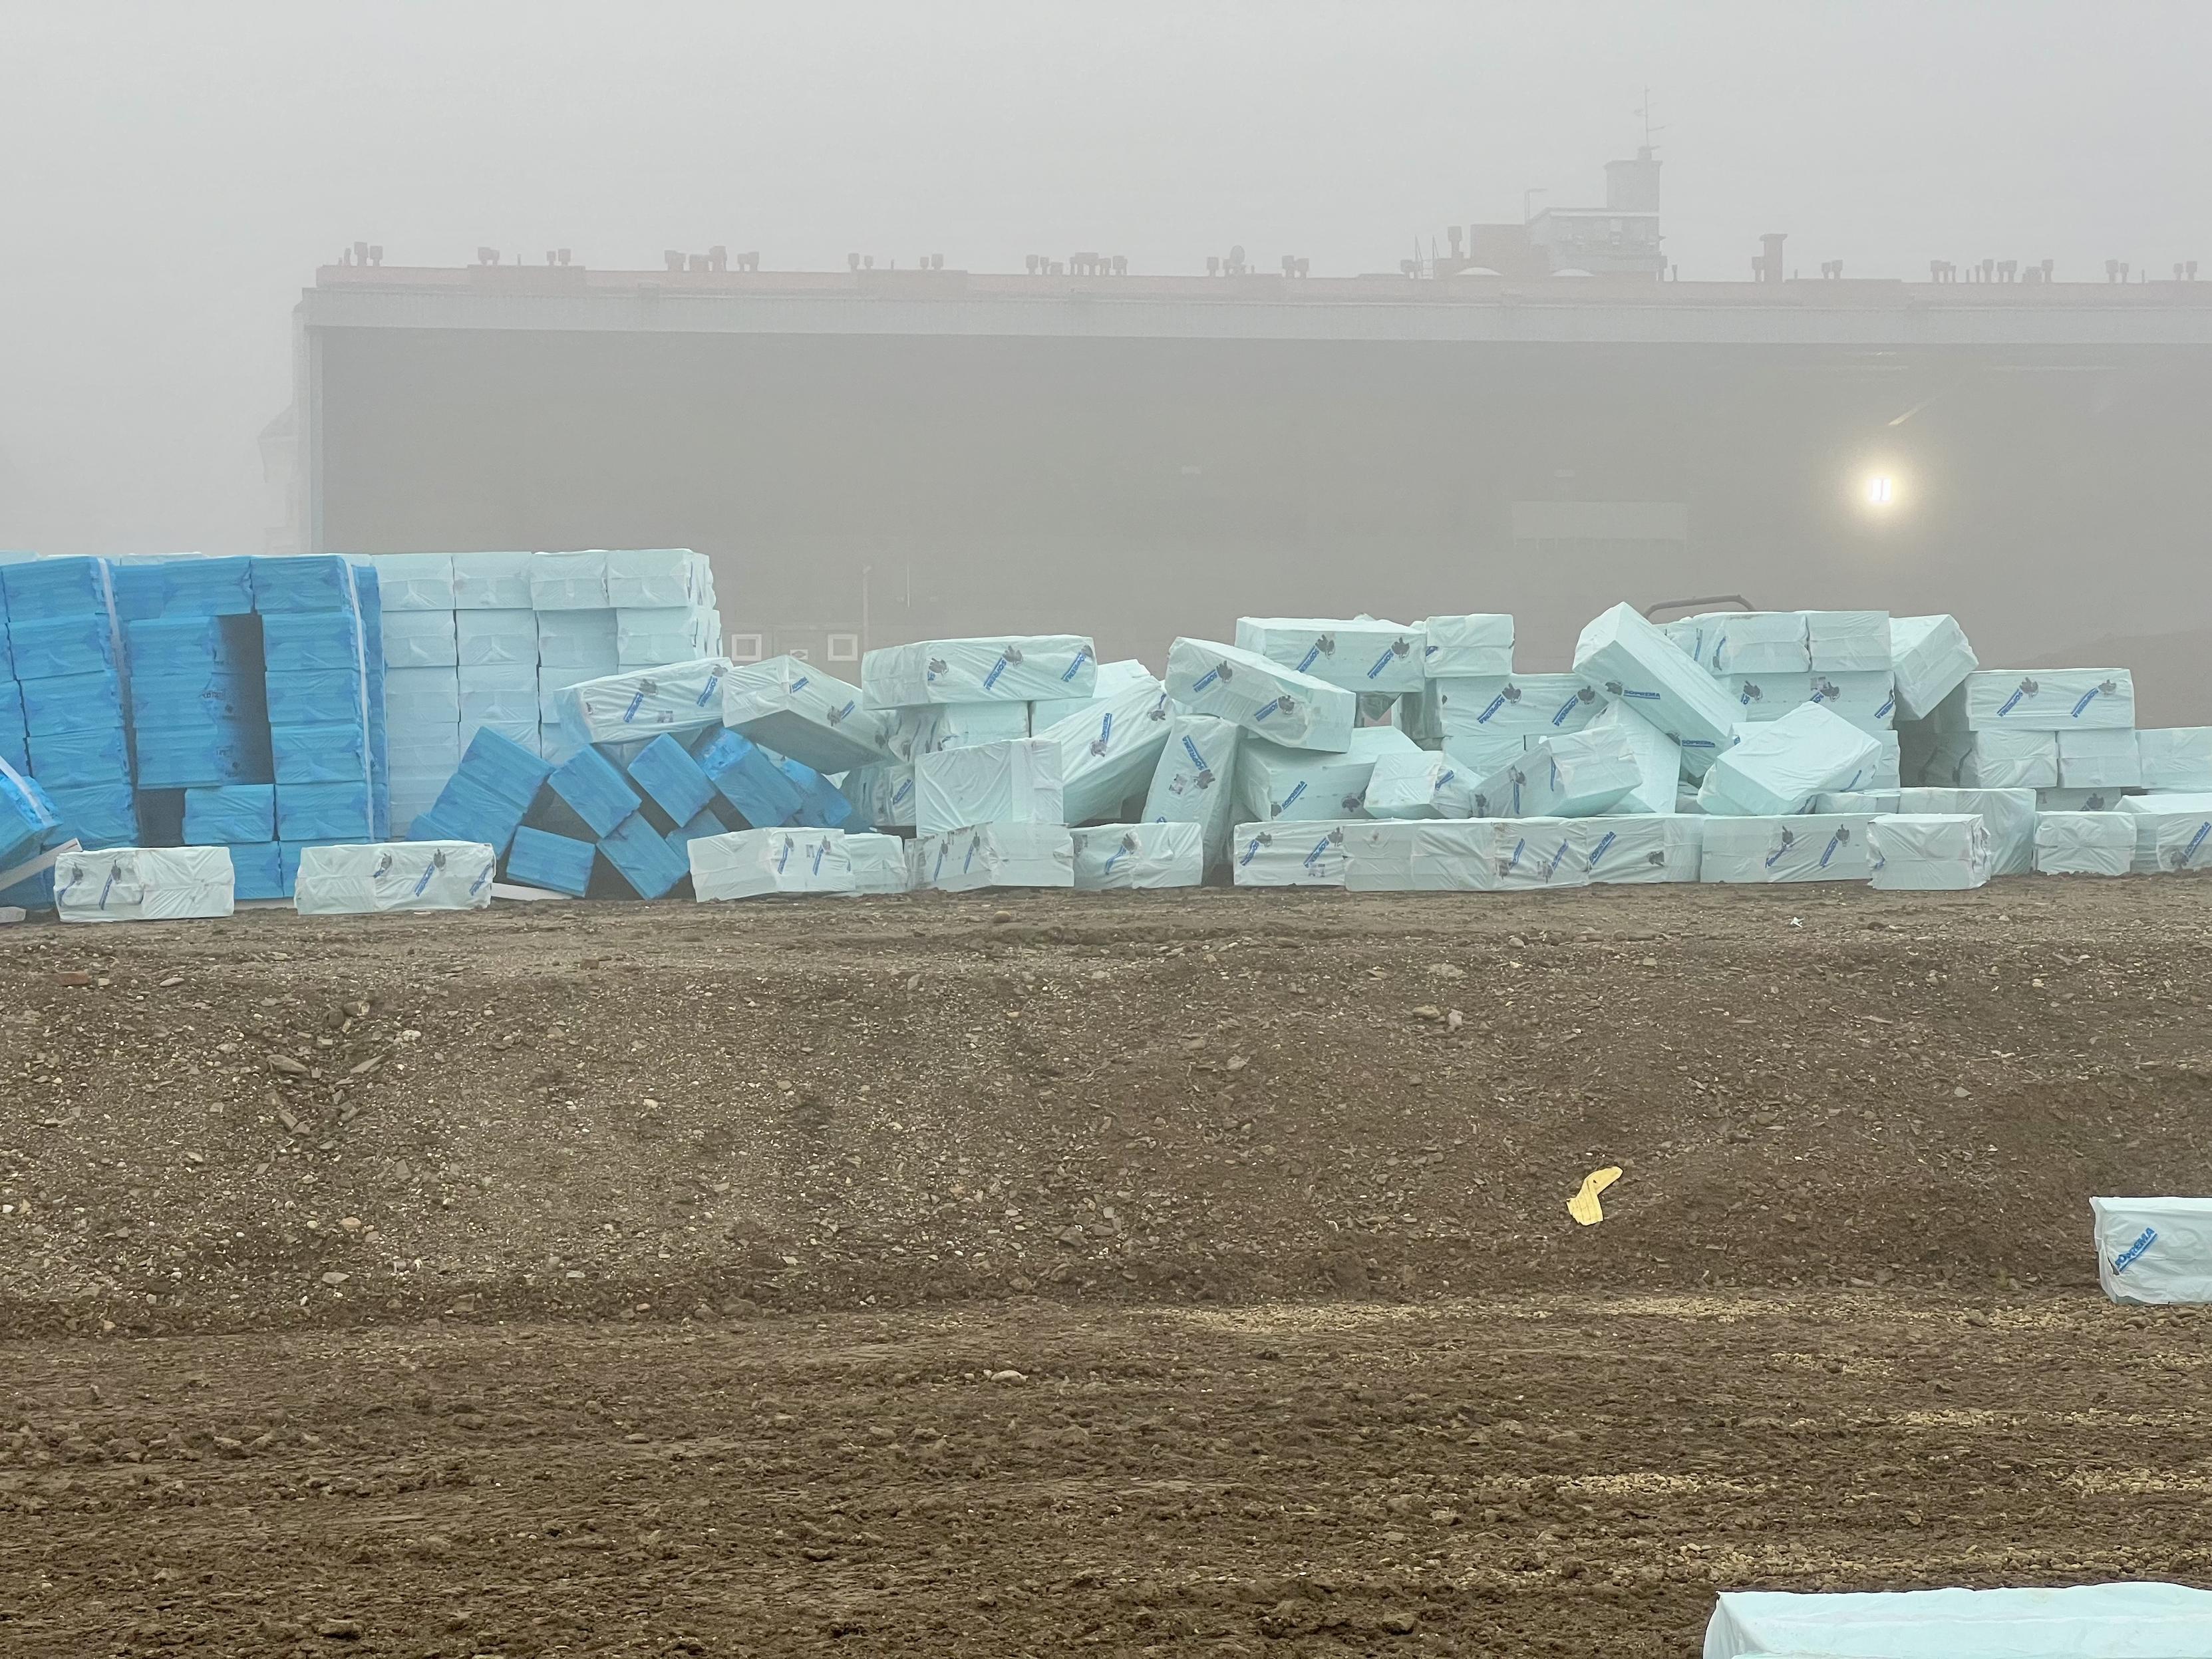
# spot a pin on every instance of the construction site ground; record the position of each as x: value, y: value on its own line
x: 1031, y: 1273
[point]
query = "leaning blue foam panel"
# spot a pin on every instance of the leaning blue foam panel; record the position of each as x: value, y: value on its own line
x: 326, y: 753
x: 560, y: 864
x: 465, y: 810
x: 257, y: 870
x: 594, y: 789
x: 292, y: 641
x: 104, y: 815
x: 820, y: 806
x: 47, y: 648
x: 641, y: 856
x: 26, y: 814
x: 747, y: 777
x: 331, y: 812
x: 56, y: 587
x: 504, y: 770
x: 182, y: 586
x: 308, y: 582
x: 670, y: 778
x: 705, y: 824
x: 230, y: 815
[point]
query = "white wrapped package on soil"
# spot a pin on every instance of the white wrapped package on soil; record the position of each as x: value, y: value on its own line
x: 2175, y: 757
x: 1265, y: 698
x: 1754, y: 642
x: 1517, y: 705
x: 2084, y: 843
x: 1652, y: 847
x: 2009, y: 814
x: 2154, y: 1250
x: 1427, y: 855
x: 1006, y: 668
x: 1849, y: 642
x: 1274, y: 781
x: 404, y: 875
x: 1541, y: 853
x: 1929, y: 851
x: 1815, y: 846
x: 752, y: 863
x: 1111, y: 857
x: 1781, y: 765
x: 144, y: 884
x: 1013, y: 782
x: 2176, y: 841
x: 2049, y: 699
x: 1310, y: 854
x: 907, y: 733
x: 1867, y: 699
x: 1193, y: 781
x: 2107, y: 759
x: 1658, y: 762
x: 1112, y: 677
x: 795, y: 709
x: 2084, y: 1621
x: 1000, y: 855
x: 881, y: 795
x: 1108, y: 752
x: 1930, y: 659
x: 680, y: 696
x: 1478, y: 643
x: 1421, y: 785
x: 878, y: 864
x: 1624, y: 656
x: 1362, y: 654
x: 1573, y: 776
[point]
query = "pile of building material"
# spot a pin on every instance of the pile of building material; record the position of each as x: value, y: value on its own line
x: 489, y: 642
x: 2111, y: 1621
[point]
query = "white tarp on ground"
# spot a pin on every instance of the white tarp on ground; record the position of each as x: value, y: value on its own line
x: 1288, y: 854
x: 1624, y: 656
x: 749, y: 863
x: 1478, y: 643
x: 1108, y: 752
x: 797, y: 710
x: 999, y: 855
x: 2175, y: 757
x: 1110, y: 856
x: 878, y: 864
x: 2085, y: 1621
x: 1274, y: 781
x: 2155, y: 1250
x: 402, y: 875
x: 2046, y: 699
x: 1362, y: 654
x: 1265, y: 698
x: 2084, y: 843
x: 1931, y: 659
x: 1113, y: 677
x: 1816, y: 847
x: 1574, y: 776
x: 1848, y: 643
x: 1194, y: 779
x: 1656, y: 846
x: 928, y: 727
x: 1929, y: 851
x: 1007, y: 668
x: 2103, y: 759
x: 2009, y: 814
x: 1013, y: 782
x: 144, y: 884
x: 1779, y: 766
x: 680, y: 696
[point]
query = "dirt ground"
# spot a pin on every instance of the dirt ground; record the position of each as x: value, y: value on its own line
x: 1144, y: 1273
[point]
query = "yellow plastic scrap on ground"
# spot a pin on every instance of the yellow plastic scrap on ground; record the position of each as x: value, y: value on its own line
x: 1583, y: 1206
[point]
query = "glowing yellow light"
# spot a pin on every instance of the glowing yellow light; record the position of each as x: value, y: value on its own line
x: 1880, y: 490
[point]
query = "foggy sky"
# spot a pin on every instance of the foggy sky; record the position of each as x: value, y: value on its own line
x: 171, y: 174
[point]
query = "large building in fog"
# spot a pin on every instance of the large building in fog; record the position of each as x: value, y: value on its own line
x: 1535, y: 419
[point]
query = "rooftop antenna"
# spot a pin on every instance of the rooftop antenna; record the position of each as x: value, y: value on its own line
x: 1643, y: 113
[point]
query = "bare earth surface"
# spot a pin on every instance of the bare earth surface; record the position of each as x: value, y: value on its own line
x: 1156, y: 1272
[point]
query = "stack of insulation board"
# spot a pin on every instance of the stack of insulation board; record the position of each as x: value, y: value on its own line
x: 487, y: 642
x: 65, y: 715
